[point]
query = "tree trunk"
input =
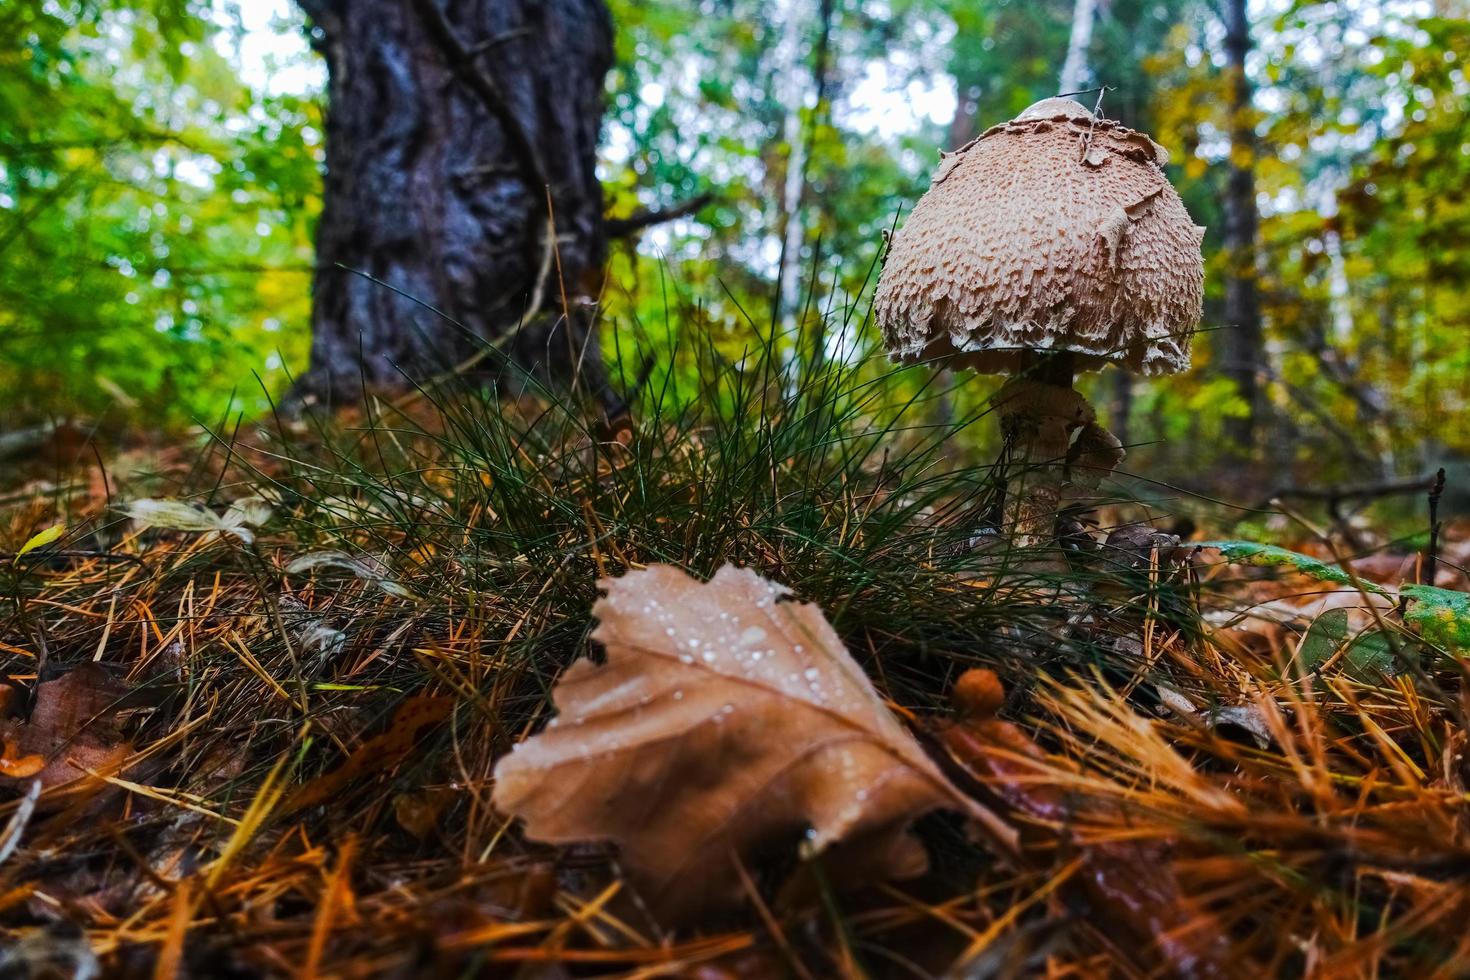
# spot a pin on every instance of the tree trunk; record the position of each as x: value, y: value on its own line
x: 1241, y: 344
x: 1074, y: 69
x: 451, y: 125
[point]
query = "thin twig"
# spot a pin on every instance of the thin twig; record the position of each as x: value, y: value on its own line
x: 1431, y: 554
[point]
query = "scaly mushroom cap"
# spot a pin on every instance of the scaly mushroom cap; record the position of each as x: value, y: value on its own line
x: 1056, y: 231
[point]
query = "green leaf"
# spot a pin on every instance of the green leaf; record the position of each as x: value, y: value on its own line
x: 42, y: 538
x: 1439, y: 616
x: 1267, y: 555
x: 1327, y: 633
x: 1371, y: 656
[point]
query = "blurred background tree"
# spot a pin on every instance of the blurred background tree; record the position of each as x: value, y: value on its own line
x: 156, y: 211
x: 161, y: 182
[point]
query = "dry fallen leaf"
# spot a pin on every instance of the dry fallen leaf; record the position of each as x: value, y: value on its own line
x: 239, y: 520
x: 724, y: 722
x: 73, y: 727
x: 369, y: 568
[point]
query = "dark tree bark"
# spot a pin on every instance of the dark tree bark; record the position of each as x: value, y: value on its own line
x: 450, y: 125
x: 1243, y: 355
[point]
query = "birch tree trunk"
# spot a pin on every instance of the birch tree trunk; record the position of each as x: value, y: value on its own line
x: 1074, y: 69
x: 792, y: 95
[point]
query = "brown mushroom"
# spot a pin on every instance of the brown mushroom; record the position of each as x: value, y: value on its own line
x: 1050, y: 244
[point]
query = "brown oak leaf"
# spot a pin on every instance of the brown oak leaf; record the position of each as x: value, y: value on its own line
x: 725, y: 722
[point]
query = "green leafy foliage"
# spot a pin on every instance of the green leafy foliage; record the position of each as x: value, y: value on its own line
x: 155, y: 214
x: 1367, y: 656
x: 1441, y: 617
x: 1270, y: 555
x: 1375, y: 654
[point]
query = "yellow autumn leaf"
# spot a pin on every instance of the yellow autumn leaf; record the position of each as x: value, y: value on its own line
x: 42, y: 538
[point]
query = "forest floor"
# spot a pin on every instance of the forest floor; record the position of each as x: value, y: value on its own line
x: 257, y: 691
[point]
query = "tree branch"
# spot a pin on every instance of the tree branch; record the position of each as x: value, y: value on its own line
x: 648, y: 217
x: 1364, y: 491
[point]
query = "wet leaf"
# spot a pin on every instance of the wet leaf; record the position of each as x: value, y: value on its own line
x: 724, y: 722
x: 1268, y: 555
x: 1439, y: 616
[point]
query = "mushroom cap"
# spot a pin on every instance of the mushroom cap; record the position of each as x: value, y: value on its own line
x: 1056, y: 231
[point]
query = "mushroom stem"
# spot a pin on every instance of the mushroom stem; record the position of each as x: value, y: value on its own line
x: 1040, y: 412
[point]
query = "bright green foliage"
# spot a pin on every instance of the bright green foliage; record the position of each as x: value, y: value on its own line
x: 1439, y: 616
x: 155, y: 214
x: 1361, y: 162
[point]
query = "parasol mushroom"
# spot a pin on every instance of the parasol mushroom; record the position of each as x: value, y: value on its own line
x: 1050, y: 244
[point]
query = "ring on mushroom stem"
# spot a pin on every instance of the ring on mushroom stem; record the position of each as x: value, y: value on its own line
x: 1051, y: 244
